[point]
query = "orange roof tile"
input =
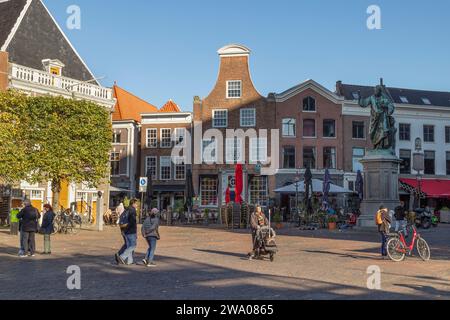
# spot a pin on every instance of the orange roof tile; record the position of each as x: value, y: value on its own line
x: 130, y: 107
x: 170, y: 106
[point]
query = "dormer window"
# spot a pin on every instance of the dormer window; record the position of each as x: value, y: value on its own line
x: 404, y: 99
x: 426, y: 101
x: 53, y: 66
x: 234, y: 89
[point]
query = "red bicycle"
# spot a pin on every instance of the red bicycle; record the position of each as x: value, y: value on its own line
x: 397, y: 248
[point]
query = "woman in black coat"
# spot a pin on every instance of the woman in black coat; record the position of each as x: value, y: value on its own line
x: 47, y: 227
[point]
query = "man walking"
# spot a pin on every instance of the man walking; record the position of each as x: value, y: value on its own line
x: 29, y: 216
x: 129, y: 229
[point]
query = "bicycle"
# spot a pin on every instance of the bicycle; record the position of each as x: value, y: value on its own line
x: 64, y: 222
x: 397, y: 248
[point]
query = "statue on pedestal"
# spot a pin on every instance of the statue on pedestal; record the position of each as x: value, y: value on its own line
x: 382, y: 123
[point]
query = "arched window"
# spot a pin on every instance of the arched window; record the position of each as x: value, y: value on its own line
x: 309, y: 104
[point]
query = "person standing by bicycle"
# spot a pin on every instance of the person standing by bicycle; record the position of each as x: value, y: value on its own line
x: 383, y: 222
x: 47, y: 227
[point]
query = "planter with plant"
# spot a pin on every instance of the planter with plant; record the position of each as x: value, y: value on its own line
x: 332, y: 223
x: 277, y: 219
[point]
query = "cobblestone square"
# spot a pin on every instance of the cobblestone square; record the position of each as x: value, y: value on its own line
x: 210, y: 263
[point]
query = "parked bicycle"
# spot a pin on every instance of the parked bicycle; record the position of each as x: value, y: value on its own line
x: 65, y: 222
x: 397, y: 247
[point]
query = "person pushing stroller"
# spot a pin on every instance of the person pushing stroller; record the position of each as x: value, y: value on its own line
x: 257, y: 221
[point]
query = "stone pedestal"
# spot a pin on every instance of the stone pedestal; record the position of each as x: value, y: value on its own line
x: 380, y: 185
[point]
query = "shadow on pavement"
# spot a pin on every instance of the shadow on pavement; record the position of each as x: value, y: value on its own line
x: 173, y: 278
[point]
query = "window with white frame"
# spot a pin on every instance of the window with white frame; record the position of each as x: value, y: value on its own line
x: 37, y: 195
x: 180, y: 136
x: 220, y: 118
x: 165, y: 168
x: 248, y: 117
x: 115, y: 163
x: 288, y: 128
x: 358, y: 154
x: 152, y: 138
x: 258, y: 190
x: 233, y: 150
x: 258, y: 149
x: 209, y: 148
x: 166, y: 138
x: 116, y: 136
x: 151, y: 164
x: 208, y: 191
x: 234, y: 89
x: 180, y: 168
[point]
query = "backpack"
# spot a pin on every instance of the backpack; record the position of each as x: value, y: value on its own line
x: 123, y: 221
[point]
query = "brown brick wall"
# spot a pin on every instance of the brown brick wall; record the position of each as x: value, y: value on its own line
x: 349, y: 143
x: 158, y: 152
x: 233, y: 68
x: 325, y: 109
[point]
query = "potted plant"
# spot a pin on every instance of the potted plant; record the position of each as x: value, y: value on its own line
x: 332, y: 223
x: 277, y: 219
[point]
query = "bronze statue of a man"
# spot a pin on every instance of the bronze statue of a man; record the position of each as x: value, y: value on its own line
x: 382, y: 123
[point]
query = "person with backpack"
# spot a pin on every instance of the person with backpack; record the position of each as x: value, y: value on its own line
x: 128, y: 227
x: 29, y: 216
x: 383, y: 222
x: 150, y: 231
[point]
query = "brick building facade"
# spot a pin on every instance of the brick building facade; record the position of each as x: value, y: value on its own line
x: 234, y: 103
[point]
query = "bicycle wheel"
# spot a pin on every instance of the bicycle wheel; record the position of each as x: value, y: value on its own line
x: 423, y: 249
x: 71, y: 228
x: 55, y: 228
x: 396, y: 249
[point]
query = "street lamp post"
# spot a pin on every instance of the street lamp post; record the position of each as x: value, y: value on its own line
x: 418, y: 166
x: 297, y: 180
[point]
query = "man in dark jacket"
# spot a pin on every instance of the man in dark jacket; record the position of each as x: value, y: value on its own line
x: 400, y: 215
x: 130, y: 233
x: 29, y: 216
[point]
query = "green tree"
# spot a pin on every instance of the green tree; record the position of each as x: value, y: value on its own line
x: 15, y: 158
x: 63, y: 140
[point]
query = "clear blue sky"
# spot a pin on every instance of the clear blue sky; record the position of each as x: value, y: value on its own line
x: 167, y: 49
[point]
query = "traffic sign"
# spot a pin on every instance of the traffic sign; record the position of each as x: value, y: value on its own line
x: 143, y: 183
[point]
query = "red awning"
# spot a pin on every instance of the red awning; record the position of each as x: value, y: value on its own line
x: 434, y: 188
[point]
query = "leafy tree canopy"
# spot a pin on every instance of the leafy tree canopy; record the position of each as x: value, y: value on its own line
x: 48, y: 138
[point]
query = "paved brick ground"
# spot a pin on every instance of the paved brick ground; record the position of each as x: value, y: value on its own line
x: 210, y: 263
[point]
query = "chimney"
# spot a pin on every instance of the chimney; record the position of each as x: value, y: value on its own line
x: 4, y: 70
x: 339, y: 89
x: 197, y: 109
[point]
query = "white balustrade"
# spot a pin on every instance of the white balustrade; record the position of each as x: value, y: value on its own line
x: 71, y: 85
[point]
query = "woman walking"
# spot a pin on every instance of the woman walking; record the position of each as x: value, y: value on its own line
x: 150, y: 231
x: 47, y: 227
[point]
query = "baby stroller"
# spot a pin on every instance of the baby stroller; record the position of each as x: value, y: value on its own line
x: 265, y: 244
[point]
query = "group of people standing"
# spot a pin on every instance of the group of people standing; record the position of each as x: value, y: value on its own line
x: 128, y: 229
x: 29, y: 225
